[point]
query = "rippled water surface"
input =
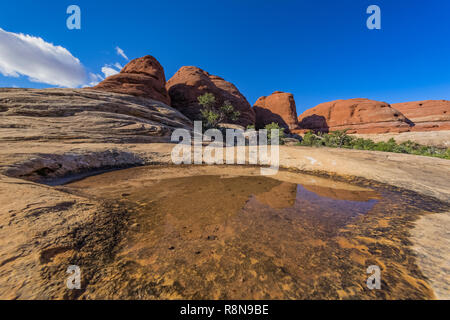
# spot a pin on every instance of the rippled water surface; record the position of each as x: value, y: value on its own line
x: 227, y: 232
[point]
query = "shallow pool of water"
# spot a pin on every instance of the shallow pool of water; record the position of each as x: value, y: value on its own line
x: 229, y: 233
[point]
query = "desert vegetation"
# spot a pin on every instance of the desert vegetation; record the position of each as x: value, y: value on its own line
x: 269, y: 128
x: 340, y: 139
x: 213, y: 113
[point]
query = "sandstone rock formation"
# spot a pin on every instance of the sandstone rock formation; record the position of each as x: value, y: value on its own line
x: 357, y: 115
x: 191, y: 82
x: 279, y: 107
x: 81, y: 116
x: 143, y: 77
x: 429, y: 115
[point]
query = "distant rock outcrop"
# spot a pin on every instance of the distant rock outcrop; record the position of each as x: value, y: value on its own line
x: 143, y: 77
x: 191, y: 82
x: 429, y: 115
x: 356, y: 115
x: 279, y: 107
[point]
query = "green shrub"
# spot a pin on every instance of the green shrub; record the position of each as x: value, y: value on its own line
x: 269, y: 129
x: 340, y: 139
x: 210, y: 119
x: 212, y: 114
x: 363, y: 144
x: 207, y: 101
x: 312, y: 140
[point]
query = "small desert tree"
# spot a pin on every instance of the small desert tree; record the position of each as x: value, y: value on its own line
x: 310, y: 139
x: 274, y: 126
x: 212, y: 113
x: 339, y: 139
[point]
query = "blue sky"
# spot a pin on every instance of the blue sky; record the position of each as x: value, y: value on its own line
x: 319, y: 50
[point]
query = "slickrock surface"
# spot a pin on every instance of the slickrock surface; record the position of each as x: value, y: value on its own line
x: 431, y: 241
x: 425, y: 175
x: 357, y: 115
x: 143, y: 77
x: 279, y: 107
x: 81, y: 116
x: 191, y: 82
x: 47, y: 134
x: 429, y: 115
x: 41, y: 226
x: 34, y: 224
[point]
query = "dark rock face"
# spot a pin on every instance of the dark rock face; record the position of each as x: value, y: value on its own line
x: 143, y: 77
x: 191, y: 82
x: 279, y: 107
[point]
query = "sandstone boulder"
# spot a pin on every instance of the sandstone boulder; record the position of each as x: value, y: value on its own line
x: 191, y: 82
x: 356, y: 115
x: 279, y: 107
x: 143, y: 77
x: 429, y: 115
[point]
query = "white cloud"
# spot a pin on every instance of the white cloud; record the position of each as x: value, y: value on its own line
x: 40, y: 61
x: 108, y: 71
x: 94, y: 80
x: 121, y: 53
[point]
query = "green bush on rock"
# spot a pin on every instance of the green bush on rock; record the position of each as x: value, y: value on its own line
x: 212, y: 114
x: 274, y: 126
x: 340, y: 139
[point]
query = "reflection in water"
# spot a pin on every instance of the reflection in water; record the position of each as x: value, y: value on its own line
x: 279, y: 197
x: 334, y: 212
x: 250, y: 237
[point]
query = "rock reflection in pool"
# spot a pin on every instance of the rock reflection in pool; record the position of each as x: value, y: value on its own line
x: 231, y: 234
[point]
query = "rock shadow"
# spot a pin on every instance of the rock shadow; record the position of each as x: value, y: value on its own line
x: 314, y: 123
x: 265, y: 117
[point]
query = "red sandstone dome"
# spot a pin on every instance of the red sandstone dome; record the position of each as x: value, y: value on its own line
x: 356, y: 115
x: 279, y: 107
x: 143, y: 77
x: 191, y: 82
x: 429, y: 115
